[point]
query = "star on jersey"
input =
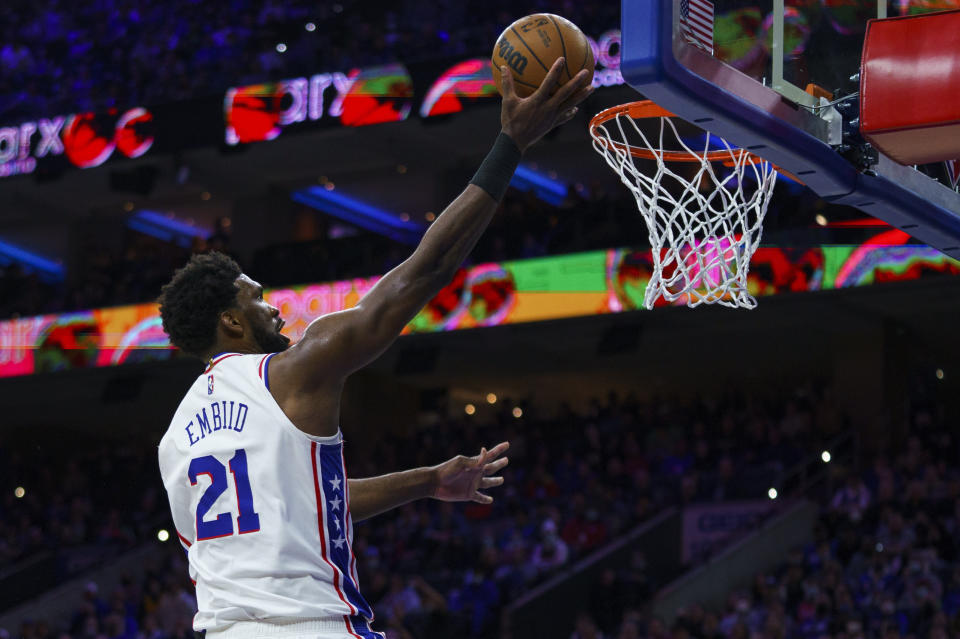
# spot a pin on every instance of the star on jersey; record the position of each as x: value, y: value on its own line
x: 335, y: 483
x: 335, y: 504
x: 338, y: 543
x: 337, y: 522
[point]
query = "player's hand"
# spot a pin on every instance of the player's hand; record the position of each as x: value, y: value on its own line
x: 462, y: 478
x: 526, y: 120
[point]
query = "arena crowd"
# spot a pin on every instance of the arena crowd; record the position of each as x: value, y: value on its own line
x: 577, y: 480
x: 59, y: 57
x: 884, y: 563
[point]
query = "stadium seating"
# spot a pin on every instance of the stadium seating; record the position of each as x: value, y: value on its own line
x: 64, y: 58
x: 884, y: 562
x: 576, y: 481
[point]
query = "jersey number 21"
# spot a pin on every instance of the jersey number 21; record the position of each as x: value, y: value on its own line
x: 248, y: 520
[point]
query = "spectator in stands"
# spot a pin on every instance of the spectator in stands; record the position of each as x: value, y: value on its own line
x: 895, y: 534
x: 583, y: 531
x: 586, y: 628
x: 725, y: 487
x: 607, y: 600
x: 477, y: 598
x: 551, y: 551
x: 415, y: 606
x: 853, y: 498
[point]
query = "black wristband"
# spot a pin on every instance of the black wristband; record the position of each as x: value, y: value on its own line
x: 495, y: 173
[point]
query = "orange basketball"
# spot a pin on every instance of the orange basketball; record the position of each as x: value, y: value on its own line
x: 530, y: 46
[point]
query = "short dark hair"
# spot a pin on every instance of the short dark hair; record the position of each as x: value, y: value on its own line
x: 191, y: 302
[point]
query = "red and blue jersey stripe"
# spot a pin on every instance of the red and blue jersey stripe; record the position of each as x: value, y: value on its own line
x: 330, y: 481
x: 359, y: 627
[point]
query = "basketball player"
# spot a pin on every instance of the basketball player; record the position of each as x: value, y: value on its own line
x: 253, y: 459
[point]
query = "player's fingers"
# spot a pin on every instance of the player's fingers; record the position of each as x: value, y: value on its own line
x: 577, y: 97
x: 581, y: 95
x: 568, y: 90
x: 493, y: 467
x: 480, y: 498
x: 482, y: 457
x: 499, y: 449
x: 550, y: 82
x: 574, y: 100
x: 506, y: 82
x: 566, y: 116
x: 490, y: 482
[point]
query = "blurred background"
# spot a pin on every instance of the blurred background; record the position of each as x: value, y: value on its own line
x: 787, y: 472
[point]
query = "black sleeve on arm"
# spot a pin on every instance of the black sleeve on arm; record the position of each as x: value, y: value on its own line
x: 497, y: 170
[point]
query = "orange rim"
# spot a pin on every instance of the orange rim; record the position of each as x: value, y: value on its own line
x: 646, y: 109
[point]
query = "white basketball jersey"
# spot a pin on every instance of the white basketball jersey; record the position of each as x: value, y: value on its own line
x: 262, y: 508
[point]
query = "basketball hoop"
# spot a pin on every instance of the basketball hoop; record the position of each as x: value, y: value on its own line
x: 703, y: 226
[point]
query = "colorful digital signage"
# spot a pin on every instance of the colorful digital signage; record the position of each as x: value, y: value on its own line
x: 259, y: 112
x: 582, y: 284
x: 84, y: 139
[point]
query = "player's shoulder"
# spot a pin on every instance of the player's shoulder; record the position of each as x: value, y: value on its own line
x: 182, y: 409
x: 231, y: 378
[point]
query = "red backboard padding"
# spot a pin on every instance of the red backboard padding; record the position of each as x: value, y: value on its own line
x: 910, y: 87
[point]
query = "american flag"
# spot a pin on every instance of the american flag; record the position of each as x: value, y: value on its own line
x: 953, y: 172
x: 696, y: 23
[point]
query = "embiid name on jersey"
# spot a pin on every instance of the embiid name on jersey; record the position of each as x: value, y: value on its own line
x: 222, y: 416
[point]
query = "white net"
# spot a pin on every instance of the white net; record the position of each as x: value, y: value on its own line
x: 703, y: 217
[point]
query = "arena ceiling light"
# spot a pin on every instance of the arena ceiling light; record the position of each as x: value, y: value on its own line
x: 166, y: 227
x: 360, y: 214
x: 47, y: 269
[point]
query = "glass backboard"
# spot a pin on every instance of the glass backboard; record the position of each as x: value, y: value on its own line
x: 761, y: 74
x: 792, y: 44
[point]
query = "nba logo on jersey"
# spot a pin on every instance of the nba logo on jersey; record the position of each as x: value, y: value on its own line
x: 209, y: 384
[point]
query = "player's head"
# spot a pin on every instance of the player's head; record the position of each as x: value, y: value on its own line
x: 210, y: 301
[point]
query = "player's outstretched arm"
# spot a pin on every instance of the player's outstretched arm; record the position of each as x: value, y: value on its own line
x: 338, y: 344
x: 457, y: 479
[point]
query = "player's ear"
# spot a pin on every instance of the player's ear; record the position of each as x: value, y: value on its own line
x: 230, y: 322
